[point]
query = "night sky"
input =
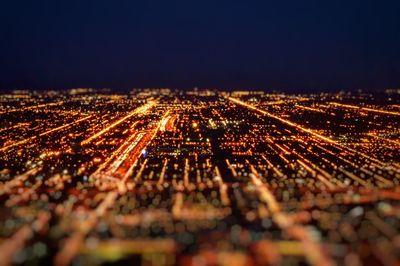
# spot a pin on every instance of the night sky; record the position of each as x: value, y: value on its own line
x: 284, y: 45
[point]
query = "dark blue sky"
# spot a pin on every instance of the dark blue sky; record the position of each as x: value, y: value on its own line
x: 286, y: 45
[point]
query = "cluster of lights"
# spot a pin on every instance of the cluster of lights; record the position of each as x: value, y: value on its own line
x: 171, y: 177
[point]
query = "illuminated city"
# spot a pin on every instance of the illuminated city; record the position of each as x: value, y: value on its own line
x: 199, y: 177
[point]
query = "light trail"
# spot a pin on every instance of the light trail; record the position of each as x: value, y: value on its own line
x: 139, y: 111
x: 31, y: 107
x: 44, y: 133
x: 14, y: 127
x: 65, y: 126
x: 230, y: 166
x: 116, y: 164
x: 130, y: 156
x: 162, y: 174
x: 111, y: 157
x: 276, y: 170
x: 285, y: 121
x: 223, y: 188
x: 329, y: 184
x: 139, y: 173
x: 319, y: 136
x: 324, y: 175
x: 366, y: 109
x: 355, y: 178
x: 72, y: 244
x: 164, y: 121
x: 353, y: 165
x: 186, y: 173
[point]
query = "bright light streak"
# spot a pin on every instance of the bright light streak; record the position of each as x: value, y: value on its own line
x: 366, y: 109
x: 139, y: 111
x: 288, y: 122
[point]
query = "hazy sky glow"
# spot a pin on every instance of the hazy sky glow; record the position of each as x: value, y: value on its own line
x: 289, y: 45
